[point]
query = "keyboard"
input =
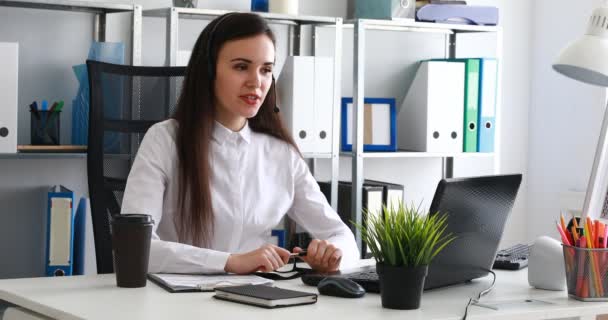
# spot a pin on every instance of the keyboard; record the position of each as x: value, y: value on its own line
x: 512, y: 258
x: 367, y: 279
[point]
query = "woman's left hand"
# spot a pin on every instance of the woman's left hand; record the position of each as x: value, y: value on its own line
x: 322, y: 256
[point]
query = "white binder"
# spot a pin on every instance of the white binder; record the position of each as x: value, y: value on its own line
x: 323, y: 104
x: 9, y: 68
x: 305, y: 97
x: 431, y: 116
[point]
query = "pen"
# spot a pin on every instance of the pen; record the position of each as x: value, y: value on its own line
x: 298, y: 254
x: 34, y: 110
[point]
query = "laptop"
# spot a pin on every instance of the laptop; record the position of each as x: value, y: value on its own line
x: 477, y: 210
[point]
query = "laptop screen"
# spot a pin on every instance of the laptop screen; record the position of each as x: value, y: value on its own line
x: 477, y: 210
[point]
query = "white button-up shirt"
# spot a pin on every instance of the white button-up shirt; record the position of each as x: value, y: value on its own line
x: 255, y: 180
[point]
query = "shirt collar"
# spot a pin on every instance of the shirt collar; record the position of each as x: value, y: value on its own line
x: 221, y: 133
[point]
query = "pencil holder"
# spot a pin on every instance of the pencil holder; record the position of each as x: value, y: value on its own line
x: 586, y: 270
x: 44, y: 127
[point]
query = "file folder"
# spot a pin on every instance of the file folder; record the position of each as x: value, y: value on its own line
x: 84, y: 244
x: 471, y: 103
x: 431, y: 116
x: 487, y: 104
x: 60, y: 232
x: 323, y: 104
x: 9, y: 67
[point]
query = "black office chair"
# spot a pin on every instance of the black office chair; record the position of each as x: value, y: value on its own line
x: 124, y: 102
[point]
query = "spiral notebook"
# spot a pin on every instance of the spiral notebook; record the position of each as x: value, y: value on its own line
x: 265, y: 296
x: 197, y: 282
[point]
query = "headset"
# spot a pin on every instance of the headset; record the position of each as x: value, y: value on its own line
x: 211, y: 67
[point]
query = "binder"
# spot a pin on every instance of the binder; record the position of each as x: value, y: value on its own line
x: 392, y: 193
x: 471, y: 103
x: 9, y: 67
x: 84, y: 244
x: 305, y: 97
x: 60, y: 232
x: 372, y: 201
x: 487, y: 103
x: 431, y: 116
x: 323, y: 104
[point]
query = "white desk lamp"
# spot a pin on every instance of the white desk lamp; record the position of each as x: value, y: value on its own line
x: 586, y: 60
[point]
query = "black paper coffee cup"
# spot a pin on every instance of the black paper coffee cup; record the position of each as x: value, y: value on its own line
x: 131, y: 235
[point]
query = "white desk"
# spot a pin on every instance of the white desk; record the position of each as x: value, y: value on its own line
x: 97, y: 297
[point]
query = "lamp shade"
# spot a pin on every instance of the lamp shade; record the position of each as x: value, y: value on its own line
x: 586, y: 59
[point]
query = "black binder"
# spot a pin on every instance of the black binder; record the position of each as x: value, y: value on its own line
x: 372, y: 199
x: 392, y: 193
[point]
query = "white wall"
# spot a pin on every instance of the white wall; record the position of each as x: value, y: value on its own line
x: 565, y: 115
x: 516, y: 21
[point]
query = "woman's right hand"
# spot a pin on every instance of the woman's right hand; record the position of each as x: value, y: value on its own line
x: 267, y: 258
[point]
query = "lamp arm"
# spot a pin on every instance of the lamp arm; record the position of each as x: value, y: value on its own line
x: 598, y: 186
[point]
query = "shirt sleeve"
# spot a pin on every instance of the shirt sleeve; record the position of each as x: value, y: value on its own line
x: 311, y: 210
x: 145, y: 193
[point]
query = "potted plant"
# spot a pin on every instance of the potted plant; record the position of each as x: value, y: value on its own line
x: 403, y: 240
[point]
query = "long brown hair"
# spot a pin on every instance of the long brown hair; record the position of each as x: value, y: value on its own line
x: 195, y: 116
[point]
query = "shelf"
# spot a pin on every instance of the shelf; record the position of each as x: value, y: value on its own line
x: 194, y: 13
x: 414, y: 154
x: 68, y: 5
x: 309, y: 155
x: 43, y: 155
x: 391, y: 25
x: 58, y: 155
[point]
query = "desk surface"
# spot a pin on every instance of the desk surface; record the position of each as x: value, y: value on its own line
x: 97, y: 297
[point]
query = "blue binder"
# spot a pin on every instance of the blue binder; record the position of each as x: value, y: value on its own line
x: 60, y: 232
x: 80, y: 221
x: 488, y: 79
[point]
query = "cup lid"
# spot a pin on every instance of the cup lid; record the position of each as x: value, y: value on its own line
x: 132, y: 218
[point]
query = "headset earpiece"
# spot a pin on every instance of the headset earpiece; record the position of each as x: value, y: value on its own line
x: 274, y: 95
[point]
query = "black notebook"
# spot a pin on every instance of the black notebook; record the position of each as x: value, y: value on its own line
x: 265, y: 296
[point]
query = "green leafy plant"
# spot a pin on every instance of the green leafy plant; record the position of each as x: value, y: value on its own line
x: 405, y: 236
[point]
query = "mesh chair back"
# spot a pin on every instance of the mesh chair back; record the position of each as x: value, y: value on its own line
x: 124, y: 102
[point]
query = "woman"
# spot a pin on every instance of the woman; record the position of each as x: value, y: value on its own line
x: 223, y: 172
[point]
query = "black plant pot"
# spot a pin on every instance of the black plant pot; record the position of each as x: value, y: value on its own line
x: 401, y: 287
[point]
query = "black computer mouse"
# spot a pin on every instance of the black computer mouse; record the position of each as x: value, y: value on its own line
x: 340, y: 287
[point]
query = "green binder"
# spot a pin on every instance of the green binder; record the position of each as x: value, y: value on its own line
x: 471, y: 105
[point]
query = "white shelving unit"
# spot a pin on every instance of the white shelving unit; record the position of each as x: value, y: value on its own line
x: 361, y: 26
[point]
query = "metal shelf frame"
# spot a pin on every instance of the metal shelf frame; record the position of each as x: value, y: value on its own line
x: 100, y: 10
x: 447, y: 168
x: 295, y: 23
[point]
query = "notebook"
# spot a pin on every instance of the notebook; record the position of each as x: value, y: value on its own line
x: 265, y: 296
x: 197, y: 282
